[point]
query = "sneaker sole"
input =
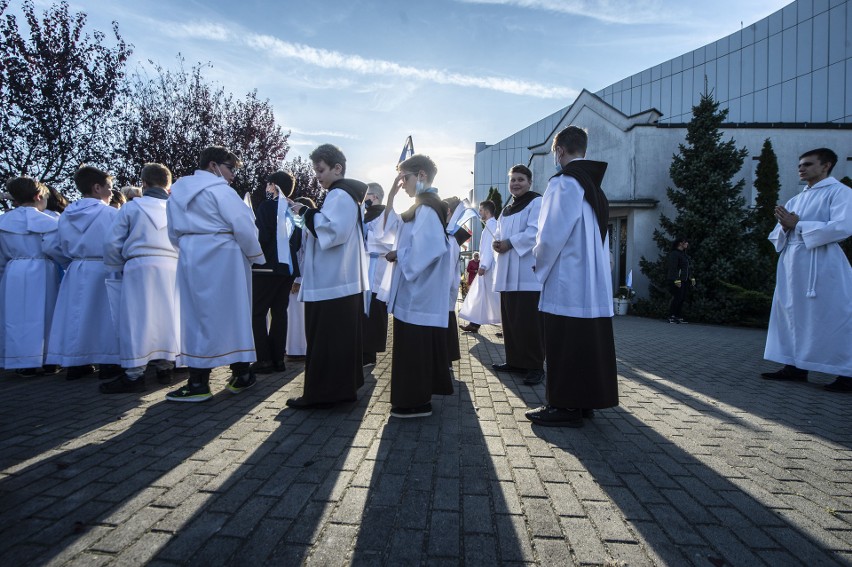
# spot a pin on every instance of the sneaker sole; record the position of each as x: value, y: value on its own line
x: 544, y: 423
x: 235, y: 390
x: 191, y: 399
x: 409, y: 415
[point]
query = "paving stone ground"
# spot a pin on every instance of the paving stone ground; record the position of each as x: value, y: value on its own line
x: 703, y: 463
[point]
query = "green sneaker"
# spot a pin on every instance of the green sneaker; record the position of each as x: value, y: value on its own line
x: 190, y: 393
x: 239, y: 383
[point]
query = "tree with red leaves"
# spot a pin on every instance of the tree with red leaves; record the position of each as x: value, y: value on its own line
x: 58, y: 92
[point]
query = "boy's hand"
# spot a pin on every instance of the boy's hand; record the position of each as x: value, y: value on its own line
x: 391, y: 256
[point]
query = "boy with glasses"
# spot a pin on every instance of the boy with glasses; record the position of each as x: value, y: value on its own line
x: 215, y: 233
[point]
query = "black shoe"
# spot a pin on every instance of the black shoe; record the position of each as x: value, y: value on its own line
x: 109, y: 371
x: 192, y: 392
x: 77, y: 372
x: 420, y: 411
x: 840, y: 384
x: 165, y: 376
x: 51, y: 369
x: 675, y: 320
x: 296, y: 357
x: 506, y: 367
x: 123, y: 385
x: 588, y: 413
x: 788, y: 373
x: 29, y: 372
x: 239, y: 383
x: 556, y: 417
x: 534, y: 377
x: 280, y: 366
x: 469, y: 328
x: 265, y: 367
x: 499, y: 334
x: 302, y: 403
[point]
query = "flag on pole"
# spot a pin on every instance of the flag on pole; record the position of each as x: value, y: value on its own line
x: 407, y: 150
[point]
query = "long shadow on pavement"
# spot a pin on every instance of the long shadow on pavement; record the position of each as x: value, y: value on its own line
x: 681, y: 506
x: 435, y: 494
x: 109, y: 488
x: 279, y: 503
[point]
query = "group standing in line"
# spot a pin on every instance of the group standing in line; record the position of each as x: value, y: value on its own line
x: 187, y: 278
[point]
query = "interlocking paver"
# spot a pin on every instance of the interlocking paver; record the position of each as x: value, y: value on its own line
x: 702, y: 463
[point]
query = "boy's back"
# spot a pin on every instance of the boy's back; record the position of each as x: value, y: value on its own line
x: 83, y: 331
x: 29, y: 283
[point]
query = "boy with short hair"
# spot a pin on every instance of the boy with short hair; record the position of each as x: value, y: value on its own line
x: 335, y: 276
x: 29, y: 278
x: 139, y: 246
x: 83, y: 333
x: 217, y: 238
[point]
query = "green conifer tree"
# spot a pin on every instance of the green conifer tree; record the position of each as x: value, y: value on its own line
x: 763, y: 220
x: 710, y: 213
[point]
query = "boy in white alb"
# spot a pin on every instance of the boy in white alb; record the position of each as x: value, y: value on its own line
x: 29, y: 278
x: 217, y: 238
x: 82, y: 332
x: 139, y: 246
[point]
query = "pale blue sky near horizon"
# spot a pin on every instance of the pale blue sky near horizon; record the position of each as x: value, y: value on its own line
x: 364, y: 74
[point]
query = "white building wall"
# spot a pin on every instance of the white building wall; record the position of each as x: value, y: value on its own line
x: 785, y: 77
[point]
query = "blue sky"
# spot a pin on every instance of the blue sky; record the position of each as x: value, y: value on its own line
x: 365, y: 74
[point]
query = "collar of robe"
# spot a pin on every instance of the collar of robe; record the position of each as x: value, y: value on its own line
x: 354, y: 188
x: 518, y: 204
x: 373, y: 212
x: 589, y: 175
x: 156, y: 192
x: 432, y: 201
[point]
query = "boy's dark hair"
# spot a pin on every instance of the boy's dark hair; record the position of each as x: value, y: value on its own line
x: 217, y: 154
x: 25, y: 189
x: 489, y: 206
x: 573, y: 139
x: 824, y: 155
x: 87, y: 176
x: 117, y: 197
x: 284, y: 180
x: 520, y: 168
x: 331, y: 155
x: 418, y: 163
x: 56, y: 201
x: 156, y: 175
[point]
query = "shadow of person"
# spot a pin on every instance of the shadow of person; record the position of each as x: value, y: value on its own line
x: 145, y: 466
x: 683, y: 491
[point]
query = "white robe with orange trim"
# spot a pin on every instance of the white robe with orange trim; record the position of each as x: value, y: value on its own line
x: 217, y: 238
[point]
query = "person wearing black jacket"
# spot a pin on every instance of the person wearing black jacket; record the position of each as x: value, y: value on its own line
x: 679, y: 278
x: 271, y: 282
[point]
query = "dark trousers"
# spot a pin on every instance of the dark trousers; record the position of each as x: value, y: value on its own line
x: 270, y: 293
x: 678, y: 296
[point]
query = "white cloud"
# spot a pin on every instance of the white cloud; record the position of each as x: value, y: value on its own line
x: 197, y: 30
x: 322, y: 134
x: 354, y: 63
x: 608, y: 11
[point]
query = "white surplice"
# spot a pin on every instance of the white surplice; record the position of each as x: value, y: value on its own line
x: 420, y: 276
x: 297, y: 344
x: 378, y: 242
x: 482, y: 303
x: 82, y: 330
x: 335, y: 260
x: 139, y: 246
x: 571, y: 261
x: 29, y: 284
x: 217, y: 238
x: 810, y: 325
x: 514, y: 271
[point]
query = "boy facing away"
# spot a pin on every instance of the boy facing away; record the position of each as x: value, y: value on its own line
x: 140, y: 248
x: 29, y: 278
x: 83, y: 333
